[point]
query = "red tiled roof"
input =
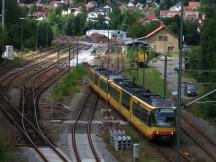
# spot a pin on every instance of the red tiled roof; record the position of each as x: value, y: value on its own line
x: 166, y: 13
x: 141, y: 20
x: 191, y: 14
x: 152, y: 17
x: 39, y: 5
x: 37, y: 14
x: 162, y: 26
x: 194, y: 4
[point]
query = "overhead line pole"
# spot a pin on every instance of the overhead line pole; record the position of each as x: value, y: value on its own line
x: 69, y: 58
x: 179, y: 89
x: 165, y: 75
x: 3, y: 14
x: 144, y: 65
x: 77, y: 52
x: 107, y: 67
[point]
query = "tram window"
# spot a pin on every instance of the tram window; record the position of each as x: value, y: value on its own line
x: 126, y: 100
x: 103, y: 86
x: 91, y: 76
x: 141, y: 113
x: 96, y: 79
x: 114, y: 93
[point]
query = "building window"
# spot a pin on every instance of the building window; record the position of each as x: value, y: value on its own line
x: 170, y: 49
x: 163, y: 38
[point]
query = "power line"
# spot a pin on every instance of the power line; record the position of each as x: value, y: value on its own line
x: 207, y: 94
x: 199, y: 70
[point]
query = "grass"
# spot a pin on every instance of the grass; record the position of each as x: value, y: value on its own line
x: 8, y: 63
x: 7, y: 151
x: 205, y: 111
x: 146, y: 154
x: 70, y: 84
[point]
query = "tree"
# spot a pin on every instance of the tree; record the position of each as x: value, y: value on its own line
x: 10, y: 19
x: 136, y: 30
x: 207, y: 57
x: 166, y: 4
x: 191, y: 35
x: 116, y: 18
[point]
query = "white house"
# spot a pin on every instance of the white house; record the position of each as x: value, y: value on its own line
x: 92, y: 17
x: 176, y: 7
x: 113, y: 34
x: 103, y: 10
x: 58, y: 3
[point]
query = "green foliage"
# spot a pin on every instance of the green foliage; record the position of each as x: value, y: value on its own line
x: 69, y: 83
x: 5, y: 150
x: 116, y: 18
x: 13, y: 12
x: 204, y: 57
x: 68, y: 24
x: 166, y: 4
x: 173, y: 24
x: 191, y: 35
x: 12, y: 33
x: 138, y: 30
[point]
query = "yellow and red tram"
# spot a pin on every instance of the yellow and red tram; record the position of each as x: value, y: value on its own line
x: 151, y: 114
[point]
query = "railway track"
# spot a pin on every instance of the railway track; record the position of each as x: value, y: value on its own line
x: 87, y: 109
x: 24, y: 120
x: 203, y: 141
x: 17, y: 73
x: 169, y: 153
x: 28, y: 129
x: 39, y: 55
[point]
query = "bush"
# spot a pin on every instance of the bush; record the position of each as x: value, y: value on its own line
x: 69, y: 83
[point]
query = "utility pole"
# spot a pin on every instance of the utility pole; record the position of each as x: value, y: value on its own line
x: 107, y: 77
x: 165, y: 75
x: 57, y: 70
x: 47, y: 36
x: 144, y: 65
x: 77, y: 52
x: 137, y: 70
x: 133, y: 53
x: 36, y: 43
x: 179, y: 89
x: 3, y: 14
x: 69, y: 56
x: 21, y: 39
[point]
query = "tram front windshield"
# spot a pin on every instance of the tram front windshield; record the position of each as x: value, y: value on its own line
x: 164, y: 117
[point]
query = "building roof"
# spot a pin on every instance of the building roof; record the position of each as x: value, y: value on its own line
x: 39, y: 5
x: 167, y: 13
x: 191, y: 14
x: 194, y: 4
x: 162, y: 26
x: 38, y: 14
x: 152, y: 17
x: 141, y: 20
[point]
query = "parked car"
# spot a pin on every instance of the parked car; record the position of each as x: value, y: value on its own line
x: 190, y: 90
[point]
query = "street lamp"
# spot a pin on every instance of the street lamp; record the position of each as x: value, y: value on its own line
x: 107, y: 77
x: 47, y: 36
x: 21, y: 38
x: 2, y: 25
x: 36, y: 43
x: 3, y: 14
